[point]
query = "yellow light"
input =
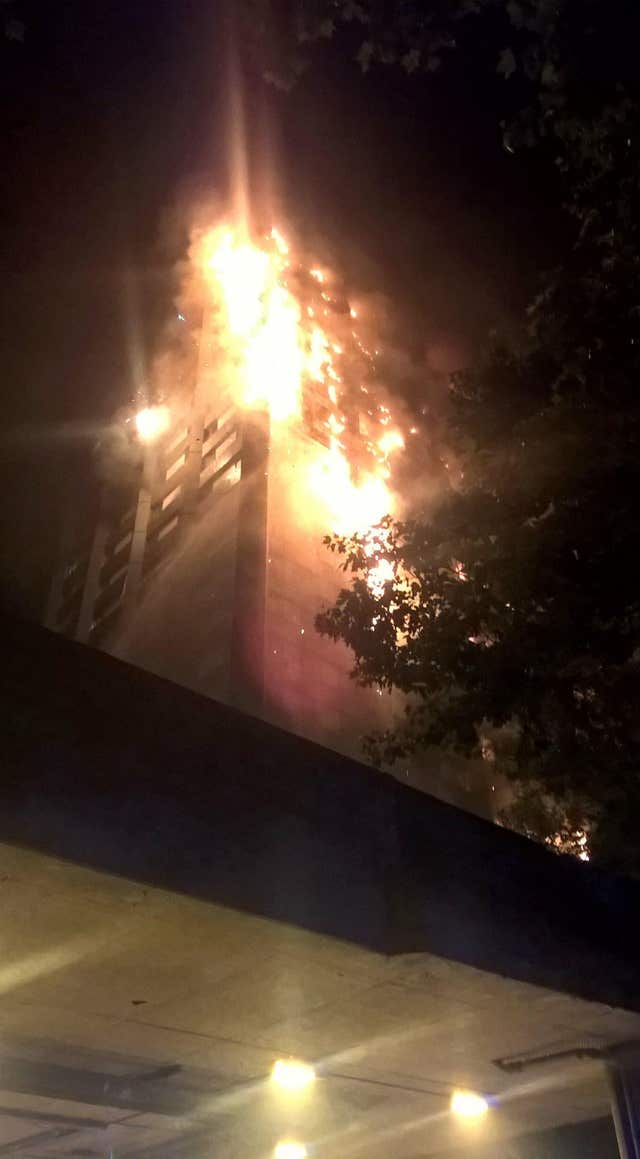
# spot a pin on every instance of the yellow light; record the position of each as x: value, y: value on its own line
x: 151, y: 422
x: 274, y: 345
x: 281, y: 244
x: 289, y: 1149
x: 468, y: 1105
x: 292, y: 1075
x: 390, y: 441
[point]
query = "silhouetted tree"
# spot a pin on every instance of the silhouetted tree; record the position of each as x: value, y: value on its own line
x: 513, y: 620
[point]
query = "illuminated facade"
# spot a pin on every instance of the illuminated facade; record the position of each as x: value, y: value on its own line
x: 212, y: 573
x: 212, y: 576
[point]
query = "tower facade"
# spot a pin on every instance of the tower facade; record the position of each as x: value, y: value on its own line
x: 211, y: 569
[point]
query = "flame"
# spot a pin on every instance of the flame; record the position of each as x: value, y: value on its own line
x: 264, y: 320
x: 354, y: 507
x: 381, y: 572
x: 390, y: 441
x: 278, y: 347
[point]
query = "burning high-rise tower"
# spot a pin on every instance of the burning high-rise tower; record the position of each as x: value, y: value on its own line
x: 211, y: 569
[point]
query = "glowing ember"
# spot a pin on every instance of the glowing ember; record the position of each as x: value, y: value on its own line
x: 151, y: 422
x: 390, y: 441
x: 574, y: 841
x: 268, y: 306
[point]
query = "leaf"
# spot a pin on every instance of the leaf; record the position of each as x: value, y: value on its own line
x: 516, y: 13
x: 411, y: 60
x: 365, y: 55
x: 550, y: 76
x: 14, y: 29
x: 353, y: 11
x: 507, y: 63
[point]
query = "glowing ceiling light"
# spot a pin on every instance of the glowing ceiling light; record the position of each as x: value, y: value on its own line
x: 151, y: 422
x: 289, y: 1149
x: 292, y: 1075
x: 468, y: 1105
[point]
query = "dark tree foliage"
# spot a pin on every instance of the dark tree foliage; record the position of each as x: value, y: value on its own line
x: 513, y: 621
x: 13, y: 27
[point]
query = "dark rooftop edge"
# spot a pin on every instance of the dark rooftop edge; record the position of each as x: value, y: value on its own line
x: 111, y: 767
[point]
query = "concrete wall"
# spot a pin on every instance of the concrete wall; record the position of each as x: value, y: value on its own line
x: 108, y: 765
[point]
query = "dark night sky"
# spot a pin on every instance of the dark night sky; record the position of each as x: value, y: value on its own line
x: 114, y: 112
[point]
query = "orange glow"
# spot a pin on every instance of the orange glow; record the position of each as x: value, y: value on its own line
x: 263, y: 321
x: 381, y: 573
x: 276, y: 348
x: 353, y: 507
x: 390, y: 441
x: 151, y: 422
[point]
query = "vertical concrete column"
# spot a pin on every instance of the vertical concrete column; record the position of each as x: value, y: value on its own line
x: 193, y: 462
x: 140, y: 527
x: 623, y: 1064
x: 248, y: 624
x: 91, y: 588
x: 54, y: 598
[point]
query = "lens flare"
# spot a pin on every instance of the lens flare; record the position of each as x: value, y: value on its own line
x: 151, y: 422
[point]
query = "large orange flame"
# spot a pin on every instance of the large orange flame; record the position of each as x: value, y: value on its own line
x: 278, y: 345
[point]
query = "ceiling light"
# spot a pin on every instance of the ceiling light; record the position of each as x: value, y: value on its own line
x: 468, y: 1105
x: 289, y: 1149
x: 292, y: 1075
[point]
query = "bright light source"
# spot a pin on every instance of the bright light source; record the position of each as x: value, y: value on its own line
x: 151, y: 422
x: 468, y: 1105
x: 289, y: 1149
x: 292, y: 1075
